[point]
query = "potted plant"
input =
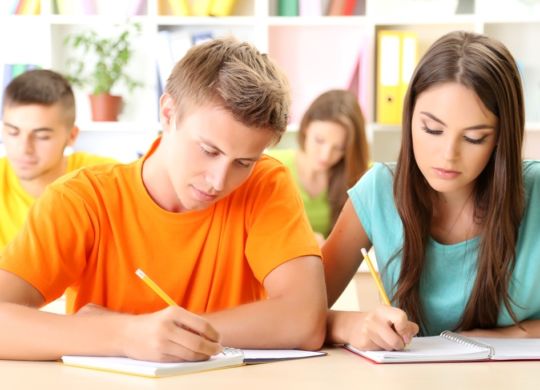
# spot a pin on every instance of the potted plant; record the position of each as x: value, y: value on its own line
x: 99, y: 63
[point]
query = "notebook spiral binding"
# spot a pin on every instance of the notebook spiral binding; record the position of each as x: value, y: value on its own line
x: 457, y: 338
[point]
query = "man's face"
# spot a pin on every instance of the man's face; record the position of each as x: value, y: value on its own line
x: 208, y: 154
x: 35, y: 136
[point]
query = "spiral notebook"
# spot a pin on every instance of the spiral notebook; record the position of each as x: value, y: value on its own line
x: 450, y: 347
x: 230, y: 357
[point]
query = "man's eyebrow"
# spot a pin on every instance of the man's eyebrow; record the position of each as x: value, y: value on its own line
x: 209, y: 143
x: 39, y: 129
x: 7, y: 124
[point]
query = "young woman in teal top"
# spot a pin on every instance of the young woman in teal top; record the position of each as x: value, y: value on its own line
x: 332, y: 155
x: 455, y: 222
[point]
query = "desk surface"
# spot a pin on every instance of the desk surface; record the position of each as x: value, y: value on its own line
x: 339, y: 370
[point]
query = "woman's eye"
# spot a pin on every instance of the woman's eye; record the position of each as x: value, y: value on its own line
x: 475, y: 141
x: 431, y: 131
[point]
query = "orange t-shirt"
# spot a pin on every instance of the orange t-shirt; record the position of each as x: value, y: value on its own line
x: 89, y: 232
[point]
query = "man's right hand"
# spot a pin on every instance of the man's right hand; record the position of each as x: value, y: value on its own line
x: 171, y: 334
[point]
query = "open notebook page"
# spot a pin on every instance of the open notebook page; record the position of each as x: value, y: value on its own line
x: 512, y: 349
x: 427, y: 349
x: 228, y: 358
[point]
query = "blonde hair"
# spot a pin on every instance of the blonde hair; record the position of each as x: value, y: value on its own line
x: 235, y: 76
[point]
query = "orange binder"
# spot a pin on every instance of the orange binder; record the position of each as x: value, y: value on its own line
x: 396, y: 60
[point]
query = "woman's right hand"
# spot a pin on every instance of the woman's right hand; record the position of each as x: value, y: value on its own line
x: 385, y: 328
x: 171, y: 334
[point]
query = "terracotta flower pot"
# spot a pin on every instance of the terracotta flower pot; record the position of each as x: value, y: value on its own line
x: 105, y: 107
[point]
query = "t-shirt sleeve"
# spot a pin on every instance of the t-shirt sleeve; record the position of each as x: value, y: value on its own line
x: 531, y: 176
x: 276, y: 224
x: 362, y: 197
x: 81, y: 160
x: 50, y: 250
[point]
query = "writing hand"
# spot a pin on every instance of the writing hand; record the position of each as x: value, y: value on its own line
x: 385, y: 328
x: 172, y: 334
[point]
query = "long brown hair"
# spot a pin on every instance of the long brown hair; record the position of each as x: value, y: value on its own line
x: 485, y: 66
x: 341, y: 107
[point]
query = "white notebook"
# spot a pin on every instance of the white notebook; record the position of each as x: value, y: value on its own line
x: 449, y: 346
x: 230, y: 357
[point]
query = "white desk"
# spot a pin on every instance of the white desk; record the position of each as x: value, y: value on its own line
x: 340, y: 370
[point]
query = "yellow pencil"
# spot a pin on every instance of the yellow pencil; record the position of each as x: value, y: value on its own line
x: 150, y: 283
x: 376, y: 277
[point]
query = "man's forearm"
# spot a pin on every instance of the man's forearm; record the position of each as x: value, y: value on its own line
x: 30, y: 334
x: 272, y: 323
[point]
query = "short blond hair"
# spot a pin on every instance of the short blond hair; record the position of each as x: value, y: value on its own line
x: 235, y: 76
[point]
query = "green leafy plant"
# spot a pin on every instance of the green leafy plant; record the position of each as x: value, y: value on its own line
x: 100, y: 61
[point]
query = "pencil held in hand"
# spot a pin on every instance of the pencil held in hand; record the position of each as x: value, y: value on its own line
x: 189, y: 321
x: 376, y: 277
x: 153, y: 285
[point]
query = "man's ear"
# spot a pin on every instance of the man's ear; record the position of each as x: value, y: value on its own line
x: 166, y: 111
x: 73, y: 135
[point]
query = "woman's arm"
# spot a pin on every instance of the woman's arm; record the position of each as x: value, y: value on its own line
x: 526, y: 329
x: 341, y: 252
x: 383, y: 328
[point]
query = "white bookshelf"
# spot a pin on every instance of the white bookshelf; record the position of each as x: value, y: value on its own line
x: 316, y: 53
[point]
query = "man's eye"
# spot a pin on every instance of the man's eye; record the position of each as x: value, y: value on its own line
x: 208, y: 152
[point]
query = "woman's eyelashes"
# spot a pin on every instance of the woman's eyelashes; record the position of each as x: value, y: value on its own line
x: 431, y: 131
x: 472, y: 140
x: 475, y: 141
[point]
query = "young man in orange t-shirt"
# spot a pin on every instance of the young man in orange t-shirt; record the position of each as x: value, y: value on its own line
x: 216, y: 224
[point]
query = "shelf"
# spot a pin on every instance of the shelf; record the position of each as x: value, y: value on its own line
x: 532, y: 127
x: 120, y: 127
x: 96, y: 21
x: 206, y: 21
x: 404, y: 20
x: 317, y: 53
x: 317, y: 21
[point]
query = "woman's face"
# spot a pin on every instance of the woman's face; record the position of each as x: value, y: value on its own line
x: 324, y: 144
x: 453, y: 136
